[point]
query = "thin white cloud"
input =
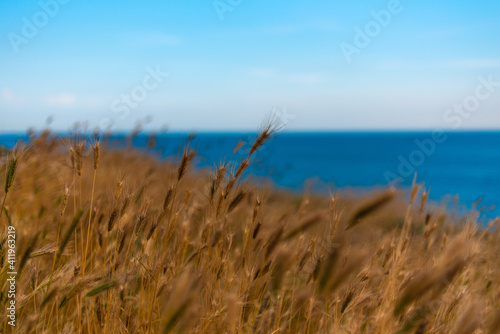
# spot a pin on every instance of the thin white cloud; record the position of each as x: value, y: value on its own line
x: 447, y: 63
x: 6, y: 94
x: 291, y: 29
x: 298, y: 78
x: 307, y: 78
x: 474, y: 63
x: 284, y: 29
x: 9, y: 97
x: 442, y: 33
x: 60, y: 100
x: 152, y: 39
x: 262, y: 72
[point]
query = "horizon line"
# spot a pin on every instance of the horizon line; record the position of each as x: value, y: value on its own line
x: 246, y: 131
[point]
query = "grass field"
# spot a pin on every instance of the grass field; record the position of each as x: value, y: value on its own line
x: 119, y: 242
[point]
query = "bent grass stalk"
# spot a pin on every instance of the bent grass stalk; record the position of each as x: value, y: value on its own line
x: 9, y: 177
x: 97, y: 155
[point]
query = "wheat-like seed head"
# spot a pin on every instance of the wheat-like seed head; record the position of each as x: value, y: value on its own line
x: 79, y: 156
x: 97, y: 154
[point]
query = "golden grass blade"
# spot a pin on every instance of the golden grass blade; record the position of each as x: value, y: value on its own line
x: 374, y: 204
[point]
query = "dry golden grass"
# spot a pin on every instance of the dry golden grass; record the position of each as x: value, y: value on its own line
x: 118, y: 242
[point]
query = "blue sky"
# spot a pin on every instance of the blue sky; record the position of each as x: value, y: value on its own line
x: 230, y: 63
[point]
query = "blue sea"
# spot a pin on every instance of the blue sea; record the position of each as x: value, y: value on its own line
x: 462, y: 168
